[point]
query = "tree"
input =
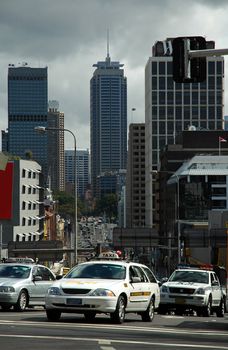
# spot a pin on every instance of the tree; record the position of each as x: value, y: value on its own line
x: 108, y: 204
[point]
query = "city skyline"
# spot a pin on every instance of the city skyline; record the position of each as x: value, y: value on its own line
x: 41, y: 36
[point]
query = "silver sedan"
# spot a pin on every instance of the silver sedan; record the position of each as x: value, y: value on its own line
x: 23, y: 285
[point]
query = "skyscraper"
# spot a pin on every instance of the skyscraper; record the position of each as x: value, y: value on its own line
x: 108, y: 119
x: 27, y: 108
x: 82, y: 168
x: 56, y: 165
x: 172, y: 107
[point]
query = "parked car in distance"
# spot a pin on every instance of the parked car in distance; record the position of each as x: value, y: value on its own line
x: 115, y: 287
x: 193, y: 288
x: 23, y: 284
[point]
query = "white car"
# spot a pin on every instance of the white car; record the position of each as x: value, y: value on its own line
x: 101, y: 286
x: 195, y: 289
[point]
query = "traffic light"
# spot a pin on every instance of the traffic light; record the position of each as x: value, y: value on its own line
x: 186, y: 70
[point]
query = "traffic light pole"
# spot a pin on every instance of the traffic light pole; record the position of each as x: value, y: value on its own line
x: 206, y: 53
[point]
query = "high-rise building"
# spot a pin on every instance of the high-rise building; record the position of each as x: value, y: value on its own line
x: 56, y: 165
x: 108, y: 119
x: 172, y: 107
x: 82, y: 168
x: 27, y: 108
x: 135, y: 182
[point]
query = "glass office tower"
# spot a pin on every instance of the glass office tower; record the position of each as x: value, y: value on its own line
x: 108, y: 119
x: 172, y: 107
x: 27, y: 108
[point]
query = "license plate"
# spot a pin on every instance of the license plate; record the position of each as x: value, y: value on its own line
x: 74, y: 301
x: 180, y: 301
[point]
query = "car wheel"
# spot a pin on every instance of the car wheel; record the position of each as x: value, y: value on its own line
x: 90, y: 316
x: 220, y: 311
x: 148, y: 315
x: 22, y: 301
x: 53, y: 315
x: 207, y: 309
x: 118, y: 315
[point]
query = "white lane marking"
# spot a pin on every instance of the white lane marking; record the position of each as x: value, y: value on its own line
x: 120, y: 328
x: 105, y: 345
x: 132, y: 342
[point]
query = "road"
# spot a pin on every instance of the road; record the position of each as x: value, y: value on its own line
x: 30, y: 330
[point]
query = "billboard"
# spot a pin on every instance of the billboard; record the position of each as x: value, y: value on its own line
x: 6, y: 192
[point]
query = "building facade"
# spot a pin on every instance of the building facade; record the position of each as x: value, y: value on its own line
x: 172, y: 107
x: 56, y: 164
x: 27, y: 109
x: 82, y: 168
x: 135, y: 183
x: 108, y: 119
x: 28, y: 210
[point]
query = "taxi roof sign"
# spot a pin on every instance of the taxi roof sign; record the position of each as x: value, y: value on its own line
x: 108, y: 255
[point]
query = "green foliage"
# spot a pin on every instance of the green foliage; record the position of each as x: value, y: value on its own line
x: 108, y: 204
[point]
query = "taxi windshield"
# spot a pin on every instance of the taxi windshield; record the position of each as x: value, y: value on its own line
x: 14, y: 271
x: 189, y: 276
x: 99, y: 270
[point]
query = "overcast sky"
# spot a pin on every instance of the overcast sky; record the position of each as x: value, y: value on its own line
x: 70, y: 36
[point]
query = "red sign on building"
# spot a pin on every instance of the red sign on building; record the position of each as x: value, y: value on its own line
x: 6, y: 192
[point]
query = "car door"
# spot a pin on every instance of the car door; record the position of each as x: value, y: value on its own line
x: 139, y: 289
x: 42, y: 280
x: 216, y: 289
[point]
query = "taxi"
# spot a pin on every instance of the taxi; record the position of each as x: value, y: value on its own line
x: 113, y: 286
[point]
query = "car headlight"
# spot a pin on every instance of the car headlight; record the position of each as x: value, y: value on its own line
x: 164, y: 289
x: 54, y: 291
x: 200, y: 291
x: 6, y: 289
x: 101, y: 292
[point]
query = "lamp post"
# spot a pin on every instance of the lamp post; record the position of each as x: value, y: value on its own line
x: 42, y: 130
x: 177, y: 215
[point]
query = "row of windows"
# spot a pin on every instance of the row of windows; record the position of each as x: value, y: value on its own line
x: 30, y: 189
x: 167, y: 83
x: 185, y: 111
x: 164, y: 128
x: 30, y: 174
x: 167, y: 68
x: 195, y: 98
x: 32, y: 118
x: 30, y: 222
x: 29, y: 206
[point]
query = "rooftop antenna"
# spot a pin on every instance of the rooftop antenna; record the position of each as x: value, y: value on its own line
x: 108, y: 57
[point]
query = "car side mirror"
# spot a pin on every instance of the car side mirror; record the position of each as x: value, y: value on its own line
x: 214, y: 283
x: 58, y: 277
x: 164, y: 279
x: 37, y: 278
x: 135, y: 279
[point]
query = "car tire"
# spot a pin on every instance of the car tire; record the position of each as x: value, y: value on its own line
x: 53, y: 315
x: 22, y: 301
x: 118, y: 315
x: 220, y: 311
x: 90, y: 316
x: 207, y: 310
x: 148, y: 315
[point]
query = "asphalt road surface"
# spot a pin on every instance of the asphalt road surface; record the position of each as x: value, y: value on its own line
x: 31, y: 330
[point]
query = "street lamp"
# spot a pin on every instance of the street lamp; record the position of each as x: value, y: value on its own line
x: 177, y: 211
x: 42, y: 130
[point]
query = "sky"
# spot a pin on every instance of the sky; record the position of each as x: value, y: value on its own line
x: 70, y: 36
